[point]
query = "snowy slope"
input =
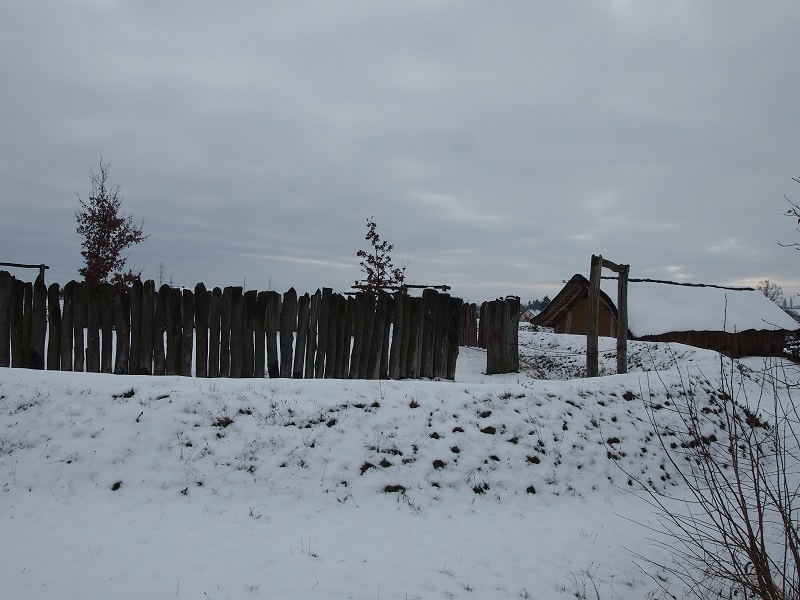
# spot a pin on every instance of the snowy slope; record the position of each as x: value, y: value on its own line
x: 487, y: 487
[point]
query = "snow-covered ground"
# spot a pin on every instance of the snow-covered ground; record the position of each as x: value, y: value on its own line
x: 505, y: 486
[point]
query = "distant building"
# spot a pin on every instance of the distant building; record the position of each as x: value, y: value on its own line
x: 735, y: 321
x: 528, y: 315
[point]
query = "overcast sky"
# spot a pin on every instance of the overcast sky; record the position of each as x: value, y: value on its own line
x: 497, y: 144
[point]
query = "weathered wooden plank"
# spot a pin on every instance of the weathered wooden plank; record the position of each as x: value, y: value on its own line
x: 349, y: 323
x: 39, y: 325
x: 122, y: 325
x: 187, y: 332
x: 592, y: 323
x: 214, y: 324
x: 66, y: 327
x: 311, y: 341
x: 370, y: 306
x: 159, y: 331
x: 174, y: 331
x: 622, y: 320
x: 93, y: 329
x: 146, y: 328
x: 303, y: 311
x: 322, y: 333
x: 453, y: 336
x: 135, y: 293
x: 287, y: 325
x: 27, y: 324
x: 248, y: 324
x: 342, y: 342
x: 359, y: 311
x: 54, y: 324
x: 78, y: 323
x: 397, y: 335
x: 259, y: 334
x: 415, y: 323
x: 237, y: 332
x: 272, y: 325
x: 333, y: 328
x: 385, y: 343
x: 5, y: 318
x: 225, y: 333
x: 429, y: 305
x: 17, y: 315
x: 440, y: 341
x: 405, y: 333
x: 482, y: 325
x: 493, y: 336
x: 511, y: 334
x: 106, y: 330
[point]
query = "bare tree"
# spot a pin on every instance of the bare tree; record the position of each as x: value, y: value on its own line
x: 106, y: 232
x: 794, y: 213
x: 771, y: 290
x: 736, y: 534
x: 380, y: 273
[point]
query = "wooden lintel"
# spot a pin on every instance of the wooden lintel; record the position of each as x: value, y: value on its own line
x: 614, y: 266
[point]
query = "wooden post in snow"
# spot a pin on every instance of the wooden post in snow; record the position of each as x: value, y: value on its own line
x: 622, y: 320
x: 592, y: 324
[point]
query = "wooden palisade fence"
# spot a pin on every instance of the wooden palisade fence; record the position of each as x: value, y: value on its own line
x: 231, y: 333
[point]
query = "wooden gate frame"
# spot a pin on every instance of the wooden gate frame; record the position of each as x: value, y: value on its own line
x: 598, y: 262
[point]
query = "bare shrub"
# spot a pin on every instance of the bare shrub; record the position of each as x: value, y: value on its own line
x: 735, y: 534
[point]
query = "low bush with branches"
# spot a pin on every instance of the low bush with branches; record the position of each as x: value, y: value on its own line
x: 735, y: 534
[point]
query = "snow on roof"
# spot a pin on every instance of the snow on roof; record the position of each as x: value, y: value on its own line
x: 655, y: 308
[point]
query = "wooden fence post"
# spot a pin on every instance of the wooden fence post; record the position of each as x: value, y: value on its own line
x: 349, y: 327
x: 511, y: 335
x: 174, y: 334
x: 5, y: 318
x: 287, y: 320
x: 79, y: 315
x: 136, y: 300
x: 236, y: 332
x: 311, y: 343
x: 591, y: 327
x: 146, y: 328
x: 92, y: 329
x: 397, y: 336
x: 440, y: 341
x: 248, y: 348
x: 303, y: 316
x: 259, y: 334
x: 429, y: 304
x: 54, y: 332
x: 122, y: 324
x: 622, y: 320
x: 187, y: 330
x: 453, y: 337
x: 39, y: 325
x: 17, y: 313
x: 66, y: 327
x: 159, y: 330
x: 225, y: 333
x: 106, y: 311
x: 272, y: 327
x: 342, y: 340
x: 214, y: 319
x: 366, y: 341
x: 322, y: 333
